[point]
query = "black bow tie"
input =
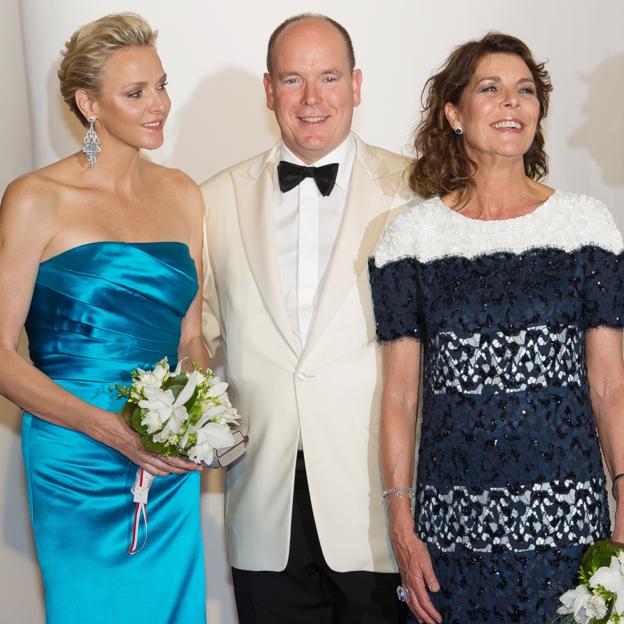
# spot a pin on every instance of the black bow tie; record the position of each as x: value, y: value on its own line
x: 291, y: 175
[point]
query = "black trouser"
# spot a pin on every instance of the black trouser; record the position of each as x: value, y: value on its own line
x: 308, y: 591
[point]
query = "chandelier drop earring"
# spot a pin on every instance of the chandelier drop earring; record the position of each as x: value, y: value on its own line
x: 458, y: 131
x: 91, y: 143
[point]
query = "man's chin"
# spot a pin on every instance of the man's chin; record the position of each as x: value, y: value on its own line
x: 312, y: 150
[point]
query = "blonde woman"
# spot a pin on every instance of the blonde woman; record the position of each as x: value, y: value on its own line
x: 101, y: 255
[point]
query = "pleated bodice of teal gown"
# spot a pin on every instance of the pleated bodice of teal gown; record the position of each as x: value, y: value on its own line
x: 98, y: 311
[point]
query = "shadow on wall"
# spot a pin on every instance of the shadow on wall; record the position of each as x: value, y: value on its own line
x: 224, y: 121
x: 16, y: 531
x: 64, y: 130
x: 17, y: 534
x: 598, y: 133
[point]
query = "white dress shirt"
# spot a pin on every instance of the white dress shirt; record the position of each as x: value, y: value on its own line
x: 306, y: 226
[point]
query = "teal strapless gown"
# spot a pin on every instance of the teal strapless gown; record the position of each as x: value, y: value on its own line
x: 98, y: 311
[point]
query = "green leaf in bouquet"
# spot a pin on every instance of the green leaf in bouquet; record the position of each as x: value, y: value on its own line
x: 176, y: 389
x: 126, y: 412
x: 162, y: 448
x: 195, y: 413
x: 175, y: 383
x: 190, y: 441
x: 189, y: 404
x: 598, y: 555
x: 135, y: 422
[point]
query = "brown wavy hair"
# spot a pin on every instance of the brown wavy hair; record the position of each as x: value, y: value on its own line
x: 441, y: 164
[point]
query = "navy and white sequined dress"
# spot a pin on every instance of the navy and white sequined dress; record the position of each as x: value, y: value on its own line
x: 510, y: 485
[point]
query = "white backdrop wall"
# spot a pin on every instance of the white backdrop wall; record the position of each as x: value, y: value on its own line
x: 20, y: 595
x: 214, y: 55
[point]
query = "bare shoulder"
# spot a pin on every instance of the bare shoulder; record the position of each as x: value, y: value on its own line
x: 170, y: 180
x: 178, y: 191
x: 33, y: 195
x: 49, y: 183
x: 171, y: 177
x: 27, y: 186
x: 29, y: 214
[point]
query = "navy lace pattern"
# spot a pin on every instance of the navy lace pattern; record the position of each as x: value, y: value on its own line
x: 530, y: 358
x: 510, y: 485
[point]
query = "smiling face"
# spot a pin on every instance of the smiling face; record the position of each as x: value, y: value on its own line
x: 132, y: 104
x: 312, y: 89
x: 498, y: 110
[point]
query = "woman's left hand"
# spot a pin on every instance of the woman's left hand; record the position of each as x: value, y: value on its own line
x: 618, y: 527
x: 415, y: 566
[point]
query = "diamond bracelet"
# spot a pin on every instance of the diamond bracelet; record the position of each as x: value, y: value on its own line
x: 392, y: 493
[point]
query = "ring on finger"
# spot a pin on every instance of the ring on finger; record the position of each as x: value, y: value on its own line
x: 402, y: 593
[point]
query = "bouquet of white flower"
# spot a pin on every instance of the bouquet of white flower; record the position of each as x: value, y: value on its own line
x: 176, y: 414
x: 599, y: 598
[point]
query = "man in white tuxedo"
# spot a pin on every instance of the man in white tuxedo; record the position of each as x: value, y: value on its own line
x: 286, y: 296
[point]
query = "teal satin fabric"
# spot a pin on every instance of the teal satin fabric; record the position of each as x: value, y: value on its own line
x: 98, y: 311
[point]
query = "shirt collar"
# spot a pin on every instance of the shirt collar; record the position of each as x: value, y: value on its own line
x: 344, y: 155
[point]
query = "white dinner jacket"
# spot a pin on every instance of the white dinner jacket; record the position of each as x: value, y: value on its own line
x: 329, y: 392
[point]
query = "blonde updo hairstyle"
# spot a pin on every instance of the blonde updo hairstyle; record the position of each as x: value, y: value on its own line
x: 89, y: 48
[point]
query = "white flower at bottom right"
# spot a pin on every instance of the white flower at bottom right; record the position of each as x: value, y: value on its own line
x: 583, y: 604
x: 612, y: 579
x: 210, y: 437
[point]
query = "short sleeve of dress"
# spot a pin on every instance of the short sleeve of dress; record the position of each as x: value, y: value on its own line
x: 603, y: 274
x: 395, y: 286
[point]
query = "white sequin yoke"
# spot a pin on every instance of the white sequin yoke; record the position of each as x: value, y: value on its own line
x: 431, y: 230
